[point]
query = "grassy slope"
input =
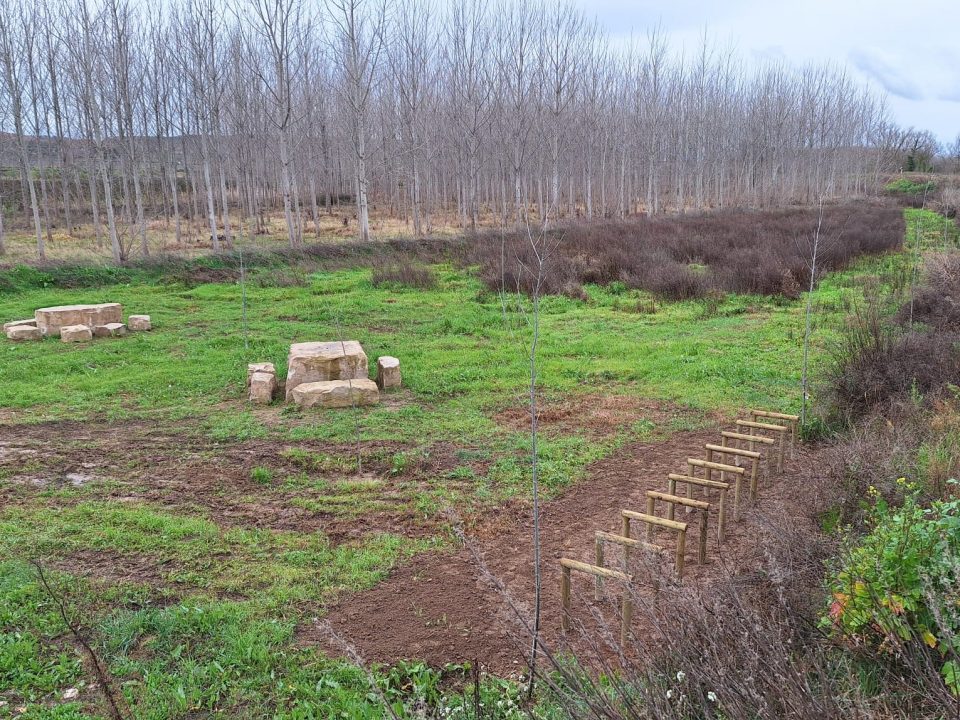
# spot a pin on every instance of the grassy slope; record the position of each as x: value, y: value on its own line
x: 463, y: 359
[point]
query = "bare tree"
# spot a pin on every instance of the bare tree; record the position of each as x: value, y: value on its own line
x: 16, y: 18
x: 358, y: 38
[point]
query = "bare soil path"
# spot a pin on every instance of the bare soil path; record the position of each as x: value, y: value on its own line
x: 441, y: 607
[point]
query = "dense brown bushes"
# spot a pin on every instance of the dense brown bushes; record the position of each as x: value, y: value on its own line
x: 882, y: 362
x: 936, y: 302
x: 762, y: 252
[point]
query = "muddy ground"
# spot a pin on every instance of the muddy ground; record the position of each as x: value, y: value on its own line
x: 441, y: 607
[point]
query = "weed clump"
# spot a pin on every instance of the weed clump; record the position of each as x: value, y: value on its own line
x: 261, y: 475
x: 403, y: 273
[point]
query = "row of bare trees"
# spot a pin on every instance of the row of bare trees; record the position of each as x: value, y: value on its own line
x: 221, y: 112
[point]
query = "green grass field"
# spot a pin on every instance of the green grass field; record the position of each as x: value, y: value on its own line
x: 211, y: 633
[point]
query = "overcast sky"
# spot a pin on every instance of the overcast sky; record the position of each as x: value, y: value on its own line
x: 910, y: 48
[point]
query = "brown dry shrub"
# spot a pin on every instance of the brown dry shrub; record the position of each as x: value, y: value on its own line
x: 743, y: 251
x: 937, y: 302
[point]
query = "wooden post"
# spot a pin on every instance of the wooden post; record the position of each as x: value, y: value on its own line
x: 652, y: 510
x: 721, y: 514
x: 681, y: 549
x: 597, y: 580
x: 702, y: 550
x: 564, y: 597
x: 672, y: 489
x: 626, y: 615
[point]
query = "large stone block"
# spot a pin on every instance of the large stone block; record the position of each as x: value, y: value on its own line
x: 260, y: 367
x: 19, y: 323
x: 75, y: 333
x: 139, y: 322
x: 336, y: 393
x: 50, y: 320
x: 24, y: 332
x: 110, y: 330
x: 262, y: 387
x: 388, y: 372
x: 323, y: 361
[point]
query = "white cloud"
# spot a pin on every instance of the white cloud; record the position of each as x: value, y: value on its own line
x: 889, y: 77
x: 907, y: 49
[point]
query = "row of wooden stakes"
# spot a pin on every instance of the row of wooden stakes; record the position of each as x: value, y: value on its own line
x: 769, y: 435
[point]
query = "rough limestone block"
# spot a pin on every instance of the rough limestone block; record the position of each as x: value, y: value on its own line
x: 336, y: 393
x: 139, y: 322
x: 19, y: 323
x: 261, y: 367
x: 50, y: 320
x: 75, y: 333
x: 388, y: 372
x: 110, y: 330
x: 24, y: 332
x: 322, y: 361
x: 262, y: 387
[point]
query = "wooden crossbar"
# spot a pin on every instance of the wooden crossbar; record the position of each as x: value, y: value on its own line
x: 769, y: 427
x: 716, y: 466
x: 753, y: 457
x: 627, y: 544
x: 709, y: 466
x: 793, y: 420
x: 673, y: 500
x: 678, y: 527
x: 670, y: 497
x: 733, y: 451
x: 762, y: 426
x: 688, y: 480
x: 702, y: 482
x: 626, y: 602
x: 750, y: 438
x: 594, y: 570
x: 775, y: 415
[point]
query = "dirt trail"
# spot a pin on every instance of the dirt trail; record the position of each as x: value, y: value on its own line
x: 441, y: 607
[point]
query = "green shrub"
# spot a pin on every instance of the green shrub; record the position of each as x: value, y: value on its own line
x: 909, y: 187
x: 898, y: 586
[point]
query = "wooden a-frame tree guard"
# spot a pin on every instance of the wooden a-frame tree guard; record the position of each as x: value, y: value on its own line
x: 678, y: 527
x: 752, y: 441
x: 707, y: 485
x: 627, y: 544
x: 783, y: 431
x: 793, y: 421
x: 708, y: 468
x: 703, y: 508
x: 626, y: 601
x: 753, y: 457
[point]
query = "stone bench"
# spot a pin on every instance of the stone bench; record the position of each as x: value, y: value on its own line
x: 50, y: 320
x: 312, y: 362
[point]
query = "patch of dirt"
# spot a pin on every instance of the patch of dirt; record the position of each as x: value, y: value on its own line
x: 590, y: 413
x: 185, y: 471
x: 441, y: 607
x: 112, y: 568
